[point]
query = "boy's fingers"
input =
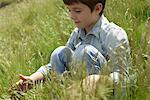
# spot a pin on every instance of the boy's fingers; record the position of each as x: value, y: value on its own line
x: 24, y: 78
x: 19, y: 82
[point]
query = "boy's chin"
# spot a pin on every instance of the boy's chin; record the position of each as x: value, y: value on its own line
x: 79, y: 26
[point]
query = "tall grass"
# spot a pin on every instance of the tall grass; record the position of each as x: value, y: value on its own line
x: 32, y: 29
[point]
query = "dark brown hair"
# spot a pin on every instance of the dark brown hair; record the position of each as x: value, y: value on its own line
x: 90, y: 3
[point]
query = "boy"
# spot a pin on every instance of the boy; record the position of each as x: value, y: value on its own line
x: 94, y: 41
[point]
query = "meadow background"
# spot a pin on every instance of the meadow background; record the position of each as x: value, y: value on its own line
x: 31, y: 29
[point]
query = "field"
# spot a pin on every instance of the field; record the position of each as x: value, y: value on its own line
x: 31, y: 29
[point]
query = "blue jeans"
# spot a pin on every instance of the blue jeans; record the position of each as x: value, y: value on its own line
x: 62, y: 57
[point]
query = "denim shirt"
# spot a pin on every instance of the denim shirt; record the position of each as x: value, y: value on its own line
x: 106, y: 37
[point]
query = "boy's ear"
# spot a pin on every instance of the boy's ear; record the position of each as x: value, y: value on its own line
x: 98, y: 7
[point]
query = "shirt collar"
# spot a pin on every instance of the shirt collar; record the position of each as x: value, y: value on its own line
x: 102, y: 22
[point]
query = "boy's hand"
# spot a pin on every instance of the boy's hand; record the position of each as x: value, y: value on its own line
x: 17, y: 90
x: 25, y: 83
x: 23, y: 79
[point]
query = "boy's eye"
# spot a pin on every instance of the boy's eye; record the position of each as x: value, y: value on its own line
x: 78, y: 11
x: 74, y: 10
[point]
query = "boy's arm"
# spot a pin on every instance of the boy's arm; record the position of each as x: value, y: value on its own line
x: 121, y: 62
x: 36, y: 76
x: 119, y: 53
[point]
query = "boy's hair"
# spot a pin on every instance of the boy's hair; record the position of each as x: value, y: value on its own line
x: 90, y: 3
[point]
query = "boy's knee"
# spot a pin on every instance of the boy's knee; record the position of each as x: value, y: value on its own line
x: 61, y: 51
x: 89, y: 49
x: 58, y: 50
x: 85, y: 50
x: 89, y: 55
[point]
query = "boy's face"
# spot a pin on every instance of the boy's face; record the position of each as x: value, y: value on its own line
x: 82, y: 15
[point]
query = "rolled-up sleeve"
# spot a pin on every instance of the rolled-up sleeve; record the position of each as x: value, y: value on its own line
x: 45, y: 69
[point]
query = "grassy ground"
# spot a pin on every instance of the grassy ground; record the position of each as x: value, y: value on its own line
x: 32, y: 29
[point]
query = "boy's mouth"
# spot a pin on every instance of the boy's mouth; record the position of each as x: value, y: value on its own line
x: 76, y: 22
